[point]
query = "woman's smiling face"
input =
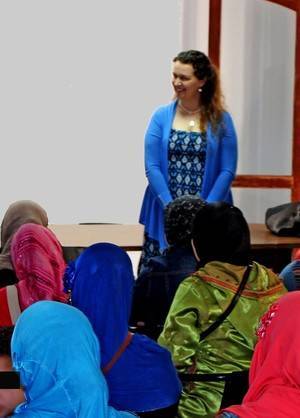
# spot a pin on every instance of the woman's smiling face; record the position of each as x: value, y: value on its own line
x: 185, y: 83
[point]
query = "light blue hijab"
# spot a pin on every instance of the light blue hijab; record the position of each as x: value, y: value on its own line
x: 57, y: 354
x: 144, y: 377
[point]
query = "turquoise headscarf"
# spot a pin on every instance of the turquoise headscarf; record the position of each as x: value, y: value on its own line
x: 57, y: 354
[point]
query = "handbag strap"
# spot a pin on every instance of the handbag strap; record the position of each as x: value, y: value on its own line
x: 230, y: 307
x: 118, y: 353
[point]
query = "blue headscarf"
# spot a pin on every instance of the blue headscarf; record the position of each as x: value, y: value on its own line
x: 144, y: 377
x: 57, y: 354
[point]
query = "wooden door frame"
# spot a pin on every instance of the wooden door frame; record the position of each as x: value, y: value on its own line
x: 214, y: 46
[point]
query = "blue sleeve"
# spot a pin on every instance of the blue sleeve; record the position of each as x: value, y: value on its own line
x: 288, y: 275
x: 153, y: 155
x: 228, y: 162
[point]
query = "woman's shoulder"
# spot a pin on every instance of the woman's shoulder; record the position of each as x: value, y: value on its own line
x: 163, y: 110
x: 226, y: 117
x: 226, y: 125
x: 190, y: 287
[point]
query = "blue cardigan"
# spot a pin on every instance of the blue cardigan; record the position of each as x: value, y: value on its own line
x: 220, y: 168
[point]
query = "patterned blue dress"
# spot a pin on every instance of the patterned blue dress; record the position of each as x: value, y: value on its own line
x: 186, y: 156
x: 186, y: 163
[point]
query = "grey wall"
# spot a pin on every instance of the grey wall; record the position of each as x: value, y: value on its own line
x: 79, y: 81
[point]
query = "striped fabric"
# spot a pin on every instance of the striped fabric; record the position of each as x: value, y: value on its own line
x: 296, y: 271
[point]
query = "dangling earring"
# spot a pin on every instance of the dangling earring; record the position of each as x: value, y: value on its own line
x: 200, y: 89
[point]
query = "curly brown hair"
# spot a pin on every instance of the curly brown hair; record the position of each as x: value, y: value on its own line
x: 179, y: 215
x: 212, y: 100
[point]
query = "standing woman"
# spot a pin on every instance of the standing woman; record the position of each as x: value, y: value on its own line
x: 190, y: 147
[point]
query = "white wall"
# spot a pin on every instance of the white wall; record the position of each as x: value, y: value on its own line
x: 194, y: 25
x: 79, y: 81
x: 257, y: 63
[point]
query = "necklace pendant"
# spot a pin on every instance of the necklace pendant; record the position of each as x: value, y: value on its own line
x: 191, y: 124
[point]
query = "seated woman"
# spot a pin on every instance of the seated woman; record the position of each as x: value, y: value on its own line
x: 156, y: 286
x: 39, y: 265
x: 140, y: 374
x: 57, y: 355
x: 17, y: 214
x: 207, y: 347
x: 275, y: 369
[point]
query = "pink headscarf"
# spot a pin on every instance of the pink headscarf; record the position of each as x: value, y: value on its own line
x: 275, y: 369
x: 39, y: 265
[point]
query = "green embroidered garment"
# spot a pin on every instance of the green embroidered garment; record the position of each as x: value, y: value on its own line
x: 199, y: 301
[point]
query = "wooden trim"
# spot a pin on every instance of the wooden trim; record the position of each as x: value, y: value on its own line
x: 290, y: 4
x: 131, y: 236
x: 263, y: 182
x: 214, y: 35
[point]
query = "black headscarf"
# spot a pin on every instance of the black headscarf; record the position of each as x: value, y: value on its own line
x: 221, y: 233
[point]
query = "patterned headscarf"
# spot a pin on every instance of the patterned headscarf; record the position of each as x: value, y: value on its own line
x: 57, y: 354
x: 18, y: 213
x: 39, y: 265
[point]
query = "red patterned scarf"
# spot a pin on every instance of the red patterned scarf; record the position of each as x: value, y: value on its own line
x: 274, y: 389
x: 39, y: 265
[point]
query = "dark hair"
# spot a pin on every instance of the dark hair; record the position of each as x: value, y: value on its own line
x: 5, y: 340
x: 221, y: 233
x: 212, y: 103
x: 179, y: 217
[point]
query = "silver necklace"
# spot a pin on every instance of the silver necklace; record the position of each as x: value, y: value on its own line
x: 190, y: 112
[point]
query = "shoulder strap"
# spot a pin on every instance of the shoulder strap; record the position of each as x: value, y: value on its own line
x: 9, y: 305
x: 229, y: 308
x: 13, y: 303
x: 118, y: 353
